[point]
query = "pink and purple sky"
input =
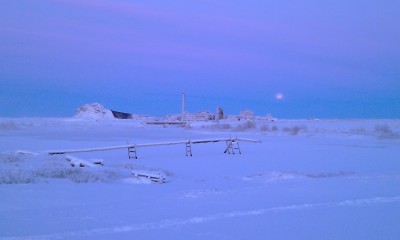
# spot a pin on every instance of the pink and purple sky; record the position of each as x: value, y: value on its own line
x: 291, y: 59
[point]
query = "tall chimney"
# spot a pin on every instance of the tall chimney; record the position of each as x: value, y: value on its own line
x: 183, y: 107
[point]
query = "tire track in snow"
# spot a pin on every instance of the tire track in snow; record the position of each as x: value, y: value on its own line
x: 172, y: 223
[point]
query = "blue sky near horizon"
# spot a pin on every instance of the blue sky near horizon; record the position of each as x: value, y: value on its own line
x: 329, y: 59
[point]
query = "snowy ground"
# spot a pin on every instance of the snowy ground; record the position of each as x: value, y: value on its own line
x: 336, y: 179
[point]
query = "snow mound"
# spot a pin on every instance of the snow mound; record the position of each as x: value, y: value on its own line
x: 274, y: 177
x: 134, y: 180
x: 94, y: 111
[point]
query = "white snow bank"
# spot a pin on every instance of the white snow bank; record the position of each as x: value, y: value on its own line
x: 94, y: 111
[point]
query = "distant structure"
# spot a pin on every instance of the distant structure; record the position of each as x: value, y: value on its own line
x: 97, y: 111
x: 183, y: 107
x: 246, y: 115
x: 243, y: 115
x: 121, y: 115
x: 220, y: 114
x: 200, y: 116
x: 143, y: 117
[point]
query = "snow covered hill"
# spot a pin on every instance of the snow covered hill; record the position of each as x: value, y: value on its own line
x: 94, y: 111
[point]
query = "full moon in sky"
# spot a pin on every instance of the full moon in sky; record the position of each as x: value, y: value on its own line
x: 279, y: 96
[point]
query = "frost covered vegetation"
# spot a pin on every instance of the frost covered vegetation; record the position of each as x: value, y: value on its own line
x: 306, y: 180
x: 20, y: 168
x: 374, y: 128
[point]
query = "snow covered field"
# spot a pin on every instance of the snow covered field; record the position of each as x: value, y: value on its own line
x: 327, y: 179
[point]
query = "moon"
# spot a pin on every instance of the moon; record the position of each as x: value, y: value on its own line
x: 279, y: 96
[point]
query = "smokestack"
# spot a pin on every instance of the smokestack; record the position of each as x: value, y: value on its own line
x: 183, y: 106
